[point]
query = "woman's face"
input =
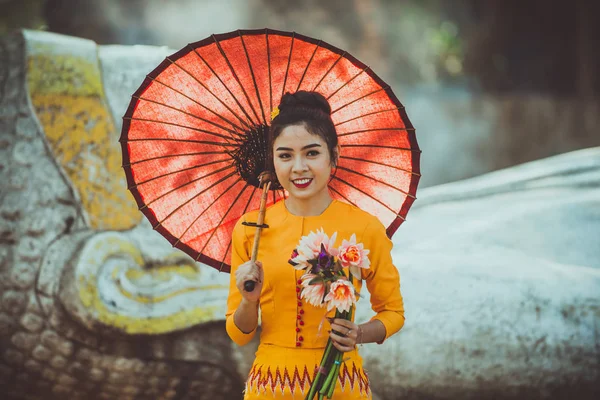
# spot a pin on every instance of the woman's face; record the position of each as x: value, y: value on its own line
x: 302, y: 162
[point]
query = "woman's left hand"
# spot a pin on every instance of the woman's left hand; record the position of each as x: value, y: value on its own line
x: 348, y: 334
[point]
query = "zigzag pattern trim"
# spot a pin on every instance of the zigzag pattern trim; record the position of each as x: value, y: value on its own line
x: 262, y: 381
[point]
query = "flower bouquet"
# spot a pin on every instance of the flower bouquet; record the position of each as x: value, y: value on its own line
x: 325, y: 284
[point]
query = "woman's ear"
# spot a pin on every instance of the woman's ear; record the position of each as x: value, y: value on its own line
x: 336, y: 155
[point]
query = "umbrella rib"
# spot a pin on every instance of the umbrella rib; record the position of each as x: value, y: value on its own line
x: 377, y: 180
x: 187, y: 183
x: 262, y: 109
x: 348, y: 81
x: 367, y: 194
x: 379, y: 146
x: 376, y: 129
x: 269, y: 66
x: 360, y: 98
x: 235, y: 126
x: 329, y: 70
x: 166, y: 123
x: 243, y: 212
x: 182, y: 141
x: 287, y: 68
x: 308, y: 65
x: 198, y: 153
x: 207, y: 89
x: 194, y: 116
x: 224, y: 214
x: 177, y: 171
x: 179, y: 207
x: 380, y: 163
x: 368, y: 114
x: 343, y: 197
x: 237, y: 79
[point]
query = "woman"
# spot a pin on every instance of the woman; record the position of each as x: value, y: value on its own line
x: 293, y: 337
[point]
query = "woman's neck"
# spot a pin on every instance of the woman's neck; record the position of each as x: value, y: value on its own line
x: 309, y: 207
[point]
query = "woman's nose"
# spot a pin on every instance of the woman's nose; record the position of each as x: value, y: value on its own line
x: 299, y: 164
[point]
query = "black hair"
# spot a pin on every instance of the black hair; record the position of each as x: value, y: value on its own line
x: 310, y: 109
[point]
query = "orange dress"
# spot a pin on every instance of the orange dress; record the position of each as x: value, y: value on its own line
x: 291, y: 341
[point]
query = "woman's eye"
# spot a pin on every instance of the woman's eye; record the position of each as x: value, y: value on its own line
x: 284, y: 156
x: 313, y: 153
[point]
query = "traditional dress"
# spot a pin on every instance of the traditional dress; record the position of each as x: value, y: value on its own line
x: 291, y: 343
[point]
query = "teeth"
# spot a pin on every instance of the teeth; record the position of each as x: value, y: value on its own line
x: 302, y: 181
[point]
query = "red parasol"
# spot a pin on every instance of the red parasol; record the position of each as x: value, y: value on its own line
x: 194, y: 135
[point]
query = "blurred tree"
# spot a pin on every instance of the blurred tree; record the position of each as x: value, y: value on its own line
x: 17, y: 14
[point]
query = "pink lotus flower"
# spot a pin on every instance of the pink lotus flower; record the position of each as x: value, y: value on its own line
x: 353, y: 255
x: 313, y: 294
x: 310, y: 246
x: 341, y: 295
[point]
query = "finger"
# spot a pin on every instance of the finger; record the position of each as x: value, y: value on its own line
x: 344, y: 330
x: 342, y: 348
x: 346, y: 341
x: 345, y: 322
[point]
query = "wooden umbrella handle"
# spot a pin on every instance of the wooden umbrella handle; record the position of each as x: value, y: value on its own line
x: 249, y: 285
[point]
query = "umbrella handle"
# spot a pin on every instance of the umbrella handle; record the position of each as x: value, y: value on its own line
x: 249, y: 285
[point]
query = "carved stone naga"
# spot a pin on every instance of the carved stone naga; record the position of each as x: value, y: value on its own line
x: 499, y: 273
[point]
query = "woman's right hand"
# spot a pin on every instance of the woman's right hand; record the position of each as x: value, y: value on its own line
x: 249, y: 271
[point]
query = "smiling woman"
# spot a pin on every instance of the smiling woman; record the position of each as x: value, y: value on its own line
x: 305, y: 151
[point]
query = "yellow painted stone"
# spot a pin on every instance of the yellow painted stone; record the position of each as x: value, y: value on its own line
x: 66, y: 92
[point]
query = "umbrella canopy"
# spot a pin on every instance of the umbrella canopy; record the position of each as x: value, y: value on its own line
x: 194, y: 137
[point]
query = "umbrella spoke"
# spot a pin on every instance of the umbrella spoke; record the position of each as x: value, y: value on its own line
x: 380, y: 163
x: 248, y: 117
x: 343, y: 197
x: 179, y: 207
x: 198, y: 153
x: 177, y: 171
x: 262, y: 110
x: 308, y: 65
x: 237, y: 79
x: 171, y: 124
x: 243, y: 212
x: 183, y: 141
x: 360, y: 98
x: 208, y: 90
x: 377, y: 129
x: 348, y: 82
x: 194, y: 116
x: 269, y: 68
x: 378, y: 146
x: 188, y: 183
x: 368, y: 114
x: 224, y: 214
x: 233, y: 124
x: 368, y: 195
x: 378, y: 181
x: 329, y: 70
x: 287, y: 68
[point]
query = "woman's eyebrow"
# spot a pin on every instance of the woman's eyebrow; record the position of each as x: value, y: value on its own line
x: 308, y: 146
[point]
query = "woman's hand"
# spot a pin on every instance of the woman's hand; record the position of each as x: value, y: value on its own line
x: 347, y: 334
x: 250, y: 272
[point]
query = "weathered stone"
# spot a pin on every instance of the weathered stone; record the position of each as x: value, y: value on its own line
x: 29, y: 249
x: 22, y: 275
x: 22, y: 153
x: 97, y: 374
x: 67, y: 380
x: 123, y: 365
x: 41, y: 353
x: 14, y: 302
x: 32, y: 322
x: 14, y: 357
x: 7, y: 324
x: 24, y: 341
x: 50, y: 339
x: 33, y: 365
x: 26, y: 127
x: 58, y: 362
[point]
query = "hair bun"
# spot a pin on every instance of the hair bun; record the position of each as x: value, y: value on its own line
x: 304, y: 99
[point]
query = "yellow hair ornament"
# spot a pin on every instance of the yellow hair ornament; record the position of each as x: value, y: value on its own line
x: 274, y: 113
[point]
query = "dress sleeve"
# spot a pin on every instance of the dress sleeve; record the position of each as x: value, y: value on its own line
x: 239, y: 255
x: 383, y: 279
